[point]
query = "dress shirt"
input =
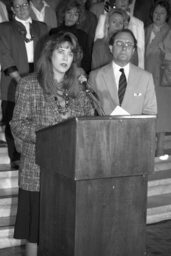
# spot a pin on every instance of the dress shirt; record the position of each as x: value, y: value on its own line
x: 29, y: 45
x: 39, y: 14
x: 117, y: 72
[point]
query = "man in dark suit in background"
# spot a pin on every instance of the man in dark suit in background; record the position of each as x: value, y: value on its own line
x: 19, y: 40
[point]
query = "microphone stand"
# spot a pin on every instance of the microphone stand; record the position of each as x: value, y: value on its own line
x: 94, y: 99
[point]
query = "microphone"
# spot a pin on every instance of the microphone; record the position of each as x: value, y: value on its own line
x: 91, y: 94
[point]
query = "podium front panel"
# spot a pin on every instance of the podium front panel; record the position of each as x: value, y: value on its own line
x: 104, y: 217
x: 90, y: 148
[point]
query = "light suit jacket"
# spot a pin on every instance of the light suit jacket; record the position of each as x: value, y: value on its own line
x: 139, y: 98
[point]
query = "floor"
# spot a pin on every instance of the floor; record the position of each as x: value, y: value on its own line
x: 158, y: 241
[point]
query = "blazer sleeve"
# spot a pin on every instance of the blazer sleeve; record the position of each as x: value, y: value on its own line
x: 100, y: 28
x: 137, y: 28
x: 7, y: 60
x: 150, y: 102
x: 22, y: 124
x: 141, y: 44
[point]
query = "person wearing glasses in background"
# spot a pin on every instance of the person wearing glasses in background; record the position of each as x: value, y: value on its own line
x: 120, y: 85
x: 19, y: 48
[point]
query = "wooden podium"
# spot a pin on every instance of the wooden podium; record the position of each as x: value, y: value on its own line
x: 94, y: 185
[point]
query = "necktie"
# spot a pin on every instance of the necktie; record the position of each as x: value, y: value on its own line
x: 122, y: 85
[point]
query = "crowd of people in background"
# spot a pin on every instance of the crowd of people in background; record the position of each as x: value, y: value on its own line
x: 48, y: 49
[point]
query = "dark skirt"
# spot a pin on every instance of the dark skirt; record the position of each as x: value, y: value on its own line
x: 27, y: 219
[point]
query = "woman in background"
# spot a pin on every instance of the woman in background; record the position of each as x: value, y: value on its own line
x: 158, y: 62
x: 43, y: 99
x: 69, y: 15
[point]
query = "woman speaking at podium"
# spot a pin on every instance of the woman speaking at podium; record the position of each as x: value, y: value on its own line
x: 44, y: 98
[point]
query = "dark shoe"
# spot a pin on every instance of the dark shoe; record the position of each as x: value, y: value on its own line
x: 15, y: 164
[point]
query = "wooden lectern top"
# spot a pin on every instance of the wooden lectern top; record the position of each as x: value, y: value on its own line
x: 98, y: 147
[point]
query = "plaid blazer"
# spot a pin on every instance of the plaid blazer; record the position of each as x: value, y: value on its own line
x: 35, y: 110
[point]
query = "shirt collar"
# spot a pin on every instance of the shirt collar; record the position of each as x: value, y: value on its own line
x: 126, y: 67
x: 29, y: 20
x: 117, y: 68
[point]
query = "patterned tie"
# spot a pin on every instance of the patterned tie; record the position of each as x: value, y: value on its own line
x: 122, y: 85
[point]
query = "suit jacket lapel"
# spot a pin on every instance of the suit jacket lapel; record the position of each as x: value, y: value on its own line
x: 131, y: 85
x: 20, y: 31
x: 35, y: 31
x: 110, y: 83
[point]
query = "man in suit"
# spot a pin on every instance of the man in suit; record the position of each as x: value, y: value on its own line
x: 19, y: 49
x: 139, y: 97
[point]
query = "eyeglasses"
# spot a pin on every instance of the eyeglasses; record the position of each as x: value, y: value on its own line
x: 121, y: 44
x: 21, y: 6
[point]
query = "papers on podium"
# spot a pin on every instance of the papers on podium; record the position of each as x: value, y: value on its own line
x: 118, y: 111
